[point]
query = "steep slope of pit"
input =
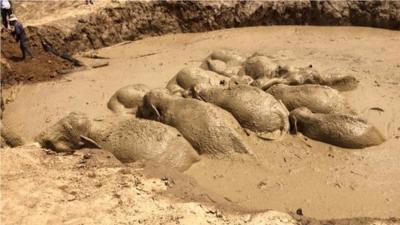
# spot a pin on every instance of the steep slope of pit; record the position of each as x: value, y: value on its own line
x: 110, y: 23
x: 324, y: 181
x: 134, y: 20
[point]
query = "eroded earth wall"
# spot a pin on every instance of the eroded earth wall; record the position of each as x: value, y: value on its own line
x: 135, y: 20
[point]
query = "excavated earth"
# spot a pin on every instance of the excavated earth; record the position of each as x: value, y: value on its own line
x: 302, y: 177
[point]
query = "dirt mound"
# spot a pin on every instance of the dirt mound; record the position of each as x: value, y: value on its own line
x: 44, y: 65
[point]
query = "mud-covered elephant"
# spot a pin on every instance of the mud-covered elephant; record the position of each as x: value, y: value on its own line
x: 127, y: 99
x: 208, y: 128
x: 317, y: 98
x: 189, y: 77
x: 128, y: 138
x: 255, y: 110
x: 225, y: 62
x: 8, y: 138
x: 284, y: 74
x: 342, y: 130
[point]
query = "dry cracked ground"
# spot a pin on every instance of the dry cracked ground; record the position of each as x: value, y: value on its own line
x: 325, y: 184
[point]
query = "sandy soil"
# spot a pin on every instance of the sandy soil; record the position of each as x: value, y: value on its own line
x: 93, y: 187
x: 56, y: 10
x: 324, y: 181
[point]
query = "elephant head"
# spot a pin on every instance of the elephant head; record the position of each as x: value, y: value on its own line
x: 69, y: 134
x: 154, y: 103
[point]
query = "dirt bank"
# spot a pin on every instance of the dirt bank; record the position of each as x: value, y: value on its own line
x: 44, y: 66
x: 92, y: 187
x: 110, y: 23
x: 134, y: 20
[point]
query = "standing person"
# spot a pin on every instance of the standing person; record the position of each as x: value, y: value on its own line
x: 20, y: 36
x: 6, y: 11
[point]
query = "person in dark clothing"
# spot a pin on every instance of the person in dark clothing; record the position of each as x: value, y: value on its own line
x: 20, y: 36
x: 6, y: 11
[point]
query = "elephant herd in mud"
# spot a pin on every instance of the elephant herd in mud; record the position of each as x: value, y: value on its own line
x: 212, y: 108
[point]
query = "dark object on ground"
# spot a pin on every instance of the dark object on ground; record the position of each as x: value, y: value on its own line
x: 377, y: 109
x: 299, y: 212
x: 98, y: 65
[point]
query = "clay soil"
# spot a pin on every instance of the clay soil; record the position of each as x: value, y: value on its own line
x: 44, y: 66
x: 323, y: 181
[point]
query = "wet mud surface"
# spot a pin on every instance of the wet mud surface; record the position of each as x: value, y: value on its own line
x: 324, y: 181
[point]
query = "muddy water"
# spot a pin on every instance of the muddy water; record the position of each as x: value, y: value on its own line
x: 324, y: 181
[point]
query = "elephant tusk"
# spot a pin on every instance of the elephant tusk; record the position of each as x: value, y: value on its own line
x: 156, y: 111
x: 88, y: 142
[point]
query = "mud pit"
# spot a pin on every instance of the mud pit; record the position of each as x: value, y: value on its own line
x: 323, y: 180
